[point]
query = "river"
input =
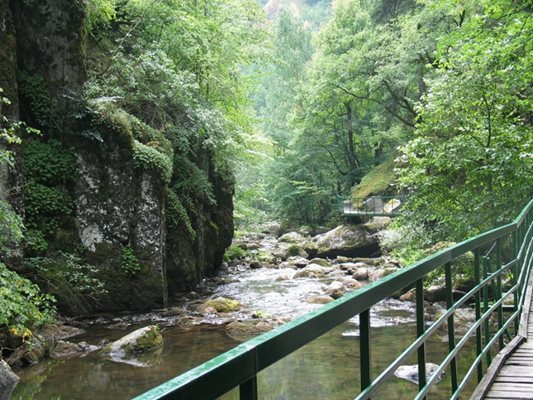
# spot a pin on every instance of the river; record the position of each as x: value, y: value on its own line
x: 327, y: 368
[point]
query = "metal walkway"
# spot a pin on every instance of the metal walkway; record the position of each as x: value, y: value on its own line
x: 374, y: 206
x: 510, y: 376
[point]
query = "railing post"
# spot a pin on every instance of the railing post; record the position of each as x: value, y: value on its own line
x: 486, y: 327
x: 364, y: 349
x: 420, y: 329
x: 451, y: 328
x: 477, y: 299
x: 498, y: 294
x: 248, y: 389
x: 514, y: 245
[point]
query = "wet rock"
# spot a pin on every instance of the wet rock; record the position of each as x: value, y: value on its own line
x: 293, y: 237
x: 244, y: 330
x: 378, y: 223
x: 361, y: 274
x: 252, y: 246
x: 31, y: 352
x: 311, y: 271
x: 342, y: 260
x: 283, y: 277
x: 438, y: 293
x: 321, y: 261
x: 336, y: 289
x: 408, y: 296
x: 63, y: 349
x: 255, y: 265
x: 410, y: 372
x: 61, y: 331
x: 8, y: 381
x: 347, y: 240
x: 320, y: 299
x: 298, y: 262
x: 142, y: 340
x: 351, y: 283
x: 381, y: 273
x: 220, y: 304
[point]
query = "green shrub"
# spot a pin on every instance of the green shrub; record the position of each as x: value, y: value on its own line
x: 149, y: 158
x: 234, y: 253
x: 22, y: 305
x: 34, y: 91
x: 48, y: 163
x: 36, y: 243
x: 177, y: 214
x: 129, y: 263
x: 71, y: 280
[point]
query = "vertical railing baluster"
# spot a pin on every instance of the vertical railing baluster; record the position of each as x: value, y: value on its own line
x: 515, y: 271
x: 451, y: 328
x: 477, y: 299
x: 486, y: 328
x: 248, y: 389
x: 498, y: 294
x: 420, y: 329
x: 364, y: 348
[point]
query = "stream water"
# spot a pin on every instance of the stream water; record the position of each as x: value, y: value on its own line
x: 327, y: 368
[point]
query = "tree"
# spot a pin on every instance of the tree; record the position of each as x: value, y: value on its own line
x: 469, y: 166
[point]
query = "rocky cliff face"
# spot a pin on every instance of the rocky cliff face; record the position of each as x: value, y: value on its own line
x: 115, y: 212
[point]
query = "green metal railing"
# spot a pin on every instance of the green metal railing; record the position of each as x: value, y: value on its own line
x: 372, y: 206
x: 501, y: 260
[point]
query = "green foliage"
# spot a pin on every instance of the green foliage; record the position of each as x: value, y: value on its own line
x: 100, y: 14
x: 34, y: 91
x: 45, y: 207
x: 149, y: 158
x: 35, y: 242
x: 48, y: 163
x: 234, y: 253
x: 469, y: 166
x: 72, y: 281
x: 129, y: 263
x: 22, y: 305
x: 177, y: 214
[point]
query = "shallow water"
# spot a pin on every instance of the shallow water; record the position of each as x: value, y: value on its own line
x: 327, y: 368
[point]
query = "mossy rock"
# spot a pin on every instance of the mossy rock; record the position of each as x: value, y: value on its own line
x: 377, y: 181
x: 142, y: 340
x: 221, y: 305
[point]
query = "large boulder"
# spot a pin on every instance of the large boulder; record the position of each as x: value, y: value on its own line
x: 8, y: 381
x: 244, y: 330
x: 347, y: 240
x: 142, y: 340
x: 220, y: 304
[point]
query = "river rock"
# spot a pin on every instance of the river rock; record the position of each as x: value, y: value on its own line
x: 293, y: 237
x: 311, y: 271
x: 379, y: 273
x: 336, y: 289
x: 320, y: 261
x: 244, y: 330
x: 438, y: 293
x: 379, y: 223
x: 347, y: 240
x: 351, y: 283
x: 410, y: 372
x: 320, y: 299
x: 31, y: 352
x: 142, y: 340
x: 408, y: 296
x: 8, y: 381
x: 298, y: 262
x: 220, y: 304
x: 361, y: 274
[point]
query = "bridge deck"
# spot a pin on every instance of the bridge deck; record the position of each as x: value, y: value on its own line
x: 511, y: 373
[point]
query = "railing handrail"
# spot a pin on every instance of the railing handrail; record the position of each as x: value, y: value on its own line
x: 240, y: 365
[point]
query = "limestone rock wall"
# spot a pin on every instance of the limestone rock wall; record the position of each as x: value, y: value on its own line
x: 118, y: 208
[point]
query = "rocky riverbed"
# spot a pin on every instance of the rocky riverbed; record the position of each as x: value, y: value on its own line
x: 275, y: 280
